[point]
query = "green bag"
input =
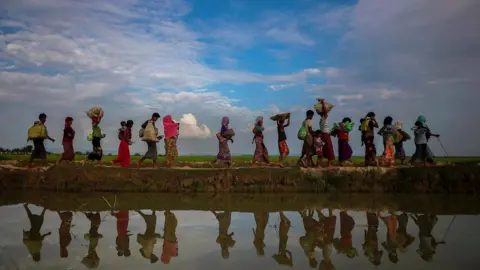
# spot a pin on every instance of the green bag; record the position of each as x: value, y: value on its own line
x: 302, y: 133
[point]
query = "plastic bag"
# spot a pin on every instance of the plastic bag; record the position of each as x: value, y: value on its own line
x: 302, y: 133
x: 150, y: 133
x: 37, y: 131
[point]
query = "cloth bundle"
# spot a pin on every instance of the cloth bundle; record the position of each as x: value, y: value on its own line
x: 37, y: 131
x: 319, y: 108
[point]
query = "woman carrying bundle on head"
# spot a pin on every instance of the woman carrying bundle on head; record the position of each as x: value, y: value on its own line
x: 171, y: 132
x: 367, y: 128
x: 95, y: 137
x: 261, y: 152
x: 223, y: 137
x: 328, y: 146
x: 125, y: 137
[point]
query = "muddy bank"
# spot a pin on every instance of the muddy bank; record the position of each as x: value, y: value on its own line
x: 453, y: 179
x: 238, y: 202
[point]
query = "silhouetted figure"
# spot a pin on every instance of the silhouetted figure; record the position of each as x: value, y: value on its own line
x: 170, y: 243
x: 428, y: 244
x: 284, y: 256
x: 224, y: 238
x: 329, y: 225
x: 261, y: 220
x: 391, y: 244
x: 64, y: 232
x: 92, y: 260
x: 149, y: 238
x: 403, y: 238
x: 370, y: 247
x: 344, y: 245
x: 32, y: 238
x: 123, y: 236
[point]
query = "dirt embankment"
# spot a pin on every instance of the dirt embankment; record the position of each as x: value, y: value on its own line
x: 451, y: 179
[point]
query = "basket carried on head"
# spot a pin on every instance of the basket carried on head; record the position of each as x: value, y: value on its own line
x: 95, y: 112
x: 280, y: 116
x: 319, y: 108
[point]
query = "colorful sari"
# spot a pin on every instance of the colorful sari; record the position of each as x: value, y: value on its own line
x: 261, y: 152
x: 171, y: 133
x: 389, y: 152
x: 223, y: 148
x: 123, y: 157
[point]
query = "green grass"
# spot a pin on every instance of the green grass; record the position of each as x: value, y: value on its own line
x: 236, y: 159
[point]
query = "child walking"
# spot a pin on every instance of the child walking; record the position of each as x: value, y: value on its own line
x: 318, y: 144
x: 282, y: 140
x: 422, y: 135
x: 67, y: 141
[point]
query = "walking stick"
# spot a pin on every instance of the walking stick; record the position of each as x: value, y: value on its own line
x: 443, y: 147
x: 448, y: 229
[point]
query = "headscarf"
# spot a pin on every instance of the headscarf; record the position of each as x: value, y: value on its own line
x: 170, y: 127
x: 68, y: 121
x: 422, y: 119
x: 225, y: 122
x: 258, y: 119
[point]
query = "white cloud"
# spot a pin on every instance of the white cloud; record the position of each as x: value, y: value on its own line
x: 279, y: 87
x: 313, y: 71
x: 189, y: 128
x: 342, y: 98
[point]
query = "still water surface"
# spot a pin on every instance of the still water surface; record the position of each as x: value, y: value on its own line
x: 32, y: 237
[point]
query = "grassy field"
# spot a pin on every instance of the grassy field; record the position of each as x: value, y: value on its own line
x: 236, y: 159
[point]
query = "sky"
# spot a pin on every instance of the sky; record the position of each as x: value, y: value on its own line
x: 202, y: 60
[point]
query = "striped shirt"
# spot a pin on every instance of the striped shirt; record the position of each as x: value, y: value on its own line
x: 324, y: 125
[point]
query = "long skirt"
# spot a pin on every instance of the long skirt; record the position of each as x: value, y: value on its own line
x: 283, y: 148
x: 422, y: 152
x: 261, y: 152
x: 399, y: 151
x: 224, y: 152
x: 123, y: 157
x: 344, y: 150
x: 151, y: 151
x: 389, y: 153
x: 68, y: 152
x: 171, y: 151
x: 327, y: 147
x: 370, y: 151
x: 39, y: 151
x: 97, y: 153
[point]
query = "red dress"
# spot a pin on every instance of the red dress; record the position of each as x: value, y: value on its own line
x: 123, y: 157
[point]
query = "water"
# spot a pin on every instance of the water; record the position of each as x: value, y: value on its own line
x: 252, y: 239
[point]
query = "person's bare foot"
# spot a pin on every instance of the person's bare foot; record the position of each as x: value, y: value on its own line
x: 99, y: 164
x: 138, y: 165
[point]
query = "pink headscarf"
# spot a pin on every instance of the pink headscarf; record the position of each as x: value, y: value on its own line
x: 170, y: 128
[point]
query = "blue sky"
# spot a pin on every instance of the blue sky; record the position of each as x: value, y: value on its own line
x: 201, y: 60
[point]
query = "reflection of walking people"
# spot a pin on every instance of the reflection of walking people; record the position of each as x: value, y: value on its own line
x: 308, y: 241
x: 149, y: 238
x: 123, y: 237
x: 403, y: 238
x: 370, y: 246
x: 284, y: 256
x: 224, y: 238
x: 170, y: 241
x: 329, y: 224
x: 32, y: 238
x: 391, y: 244
x: 64, y: 232
x: 92, y: 260
x: 261, y: 220
x: 344, y: 244
x: 428, y: 244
